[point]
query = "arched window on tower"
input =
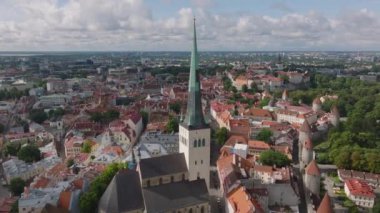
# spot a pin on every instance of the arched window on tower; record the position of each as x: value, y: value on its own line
x: 203, y: 142
x: 195, y: 143
x: 199, y: 143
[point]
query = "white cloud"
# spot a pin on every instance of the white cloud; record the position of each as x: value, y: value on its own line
x: 130, y: 25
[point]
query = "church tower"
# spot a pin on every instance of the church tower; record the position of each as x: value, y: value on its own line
x: 194, y: 133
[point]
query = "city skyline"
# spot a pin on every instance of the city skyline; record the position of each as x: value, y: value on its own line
x: 138, y: 25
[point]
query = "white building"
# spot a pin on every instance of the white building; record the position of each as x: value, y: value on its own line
x: 34, y: 200
x: 17, y: 168
x: 359, y: 192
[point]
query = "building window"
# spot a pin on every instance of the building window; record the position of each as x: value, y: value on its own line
x: 199, y: 143
x: 160, y: 181
x: 195, y: 162
x: 203, y: 142
x: 148, y: 183
x: 202, y: 209
x: 201, y: 161
x: 172, y: 179
x: 195, y: 143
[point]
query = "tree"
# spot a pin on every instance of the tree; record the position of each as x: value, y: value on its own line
x: 17, y: 186
x: 29, y: 153
x: 11, y: 149
x: 96, y: 117
x: 88, y: 201
x: 56, y: 113
x: 111, y: 115
x: 172, y: 125
x: 86, y: 148
x: 253, y: 87
x: 265, y: 134
x: 38, y: 115
x: 175, y: 107
x: 105, y: 117
x: 285, y: 78
x: 271, y: 158
x: 70, y: 162
x: 145, y: 117
x: 2, y: 128
x: 221, y: 135
x: 264, y: 102
x: 244, y: 88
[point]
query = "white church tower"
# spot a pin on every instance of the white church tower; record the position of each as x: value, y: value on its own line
x: 194, y: 133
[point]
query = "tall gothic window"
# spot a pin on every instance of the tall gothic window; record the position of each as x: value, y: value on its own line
x: 195, y: 143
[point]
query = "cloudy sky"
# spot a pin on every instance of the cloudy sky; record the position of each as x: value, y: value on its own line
x: 248, y: 25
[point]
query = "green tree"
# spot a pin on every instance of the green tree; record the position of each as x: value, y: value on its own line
x: 172, y: 125
x: 254, y: 88
x: 265, y: 134
x: 2, y: 128
x: 285, y: 78
x: 14, y: 207
x: 221, y: 135
x: 233, y: 89
x: 16, y: 186
x: 86, y: 148
x: 70, y: 162
x: 264, y: 102
x: 244, y: 88
x: 96, y: 117
x: 145, y: 117
x: 175, y: 107
x: 271, y: 158
x: 29, y: 153
x: 11, y: 149
x: 38, y: 115
x: 88, y: 201
x: 111, y: 115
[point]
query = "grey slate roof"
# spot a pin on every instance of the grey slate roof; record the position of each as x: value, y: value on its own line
x: 169, y: 197
x: 122, y: 194
x: 163, y: 165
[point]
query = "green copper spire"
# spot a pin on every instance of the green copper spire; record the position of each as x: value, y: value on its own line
x: 194, y: 115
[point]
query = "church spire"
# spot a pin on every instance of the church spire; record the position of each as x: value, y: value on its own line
x: 194, y: 115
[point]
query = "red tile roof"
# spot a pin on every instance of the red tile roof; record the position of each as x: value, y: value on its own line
x: 359, y: 188
x: 305, y: 127
x: 258, y: 145
x: 64, y: 199
x: 312, y: 169
x: 242, y: 202
x: 325, y: 206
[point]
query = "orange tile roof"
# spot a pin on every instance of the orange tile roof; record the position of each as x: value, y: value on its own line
x: 325, y: 205
x: 42, y: 182
x: 241, y: 201
x: 262, y: 168
x: 64, y: 199
x: 359, y: 188
x: 78, y: 183
x: 258, y: 145
x: 313, y: 169
x: 234, y: 139
x: 258, y: 112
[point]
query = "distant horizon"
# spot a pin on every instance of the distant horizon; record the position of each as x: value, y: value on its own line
x: 165, y: 25
x: 184, y: 51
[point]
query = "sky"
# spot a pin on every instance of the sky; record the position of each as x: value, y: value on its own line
x: 165, y: 25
